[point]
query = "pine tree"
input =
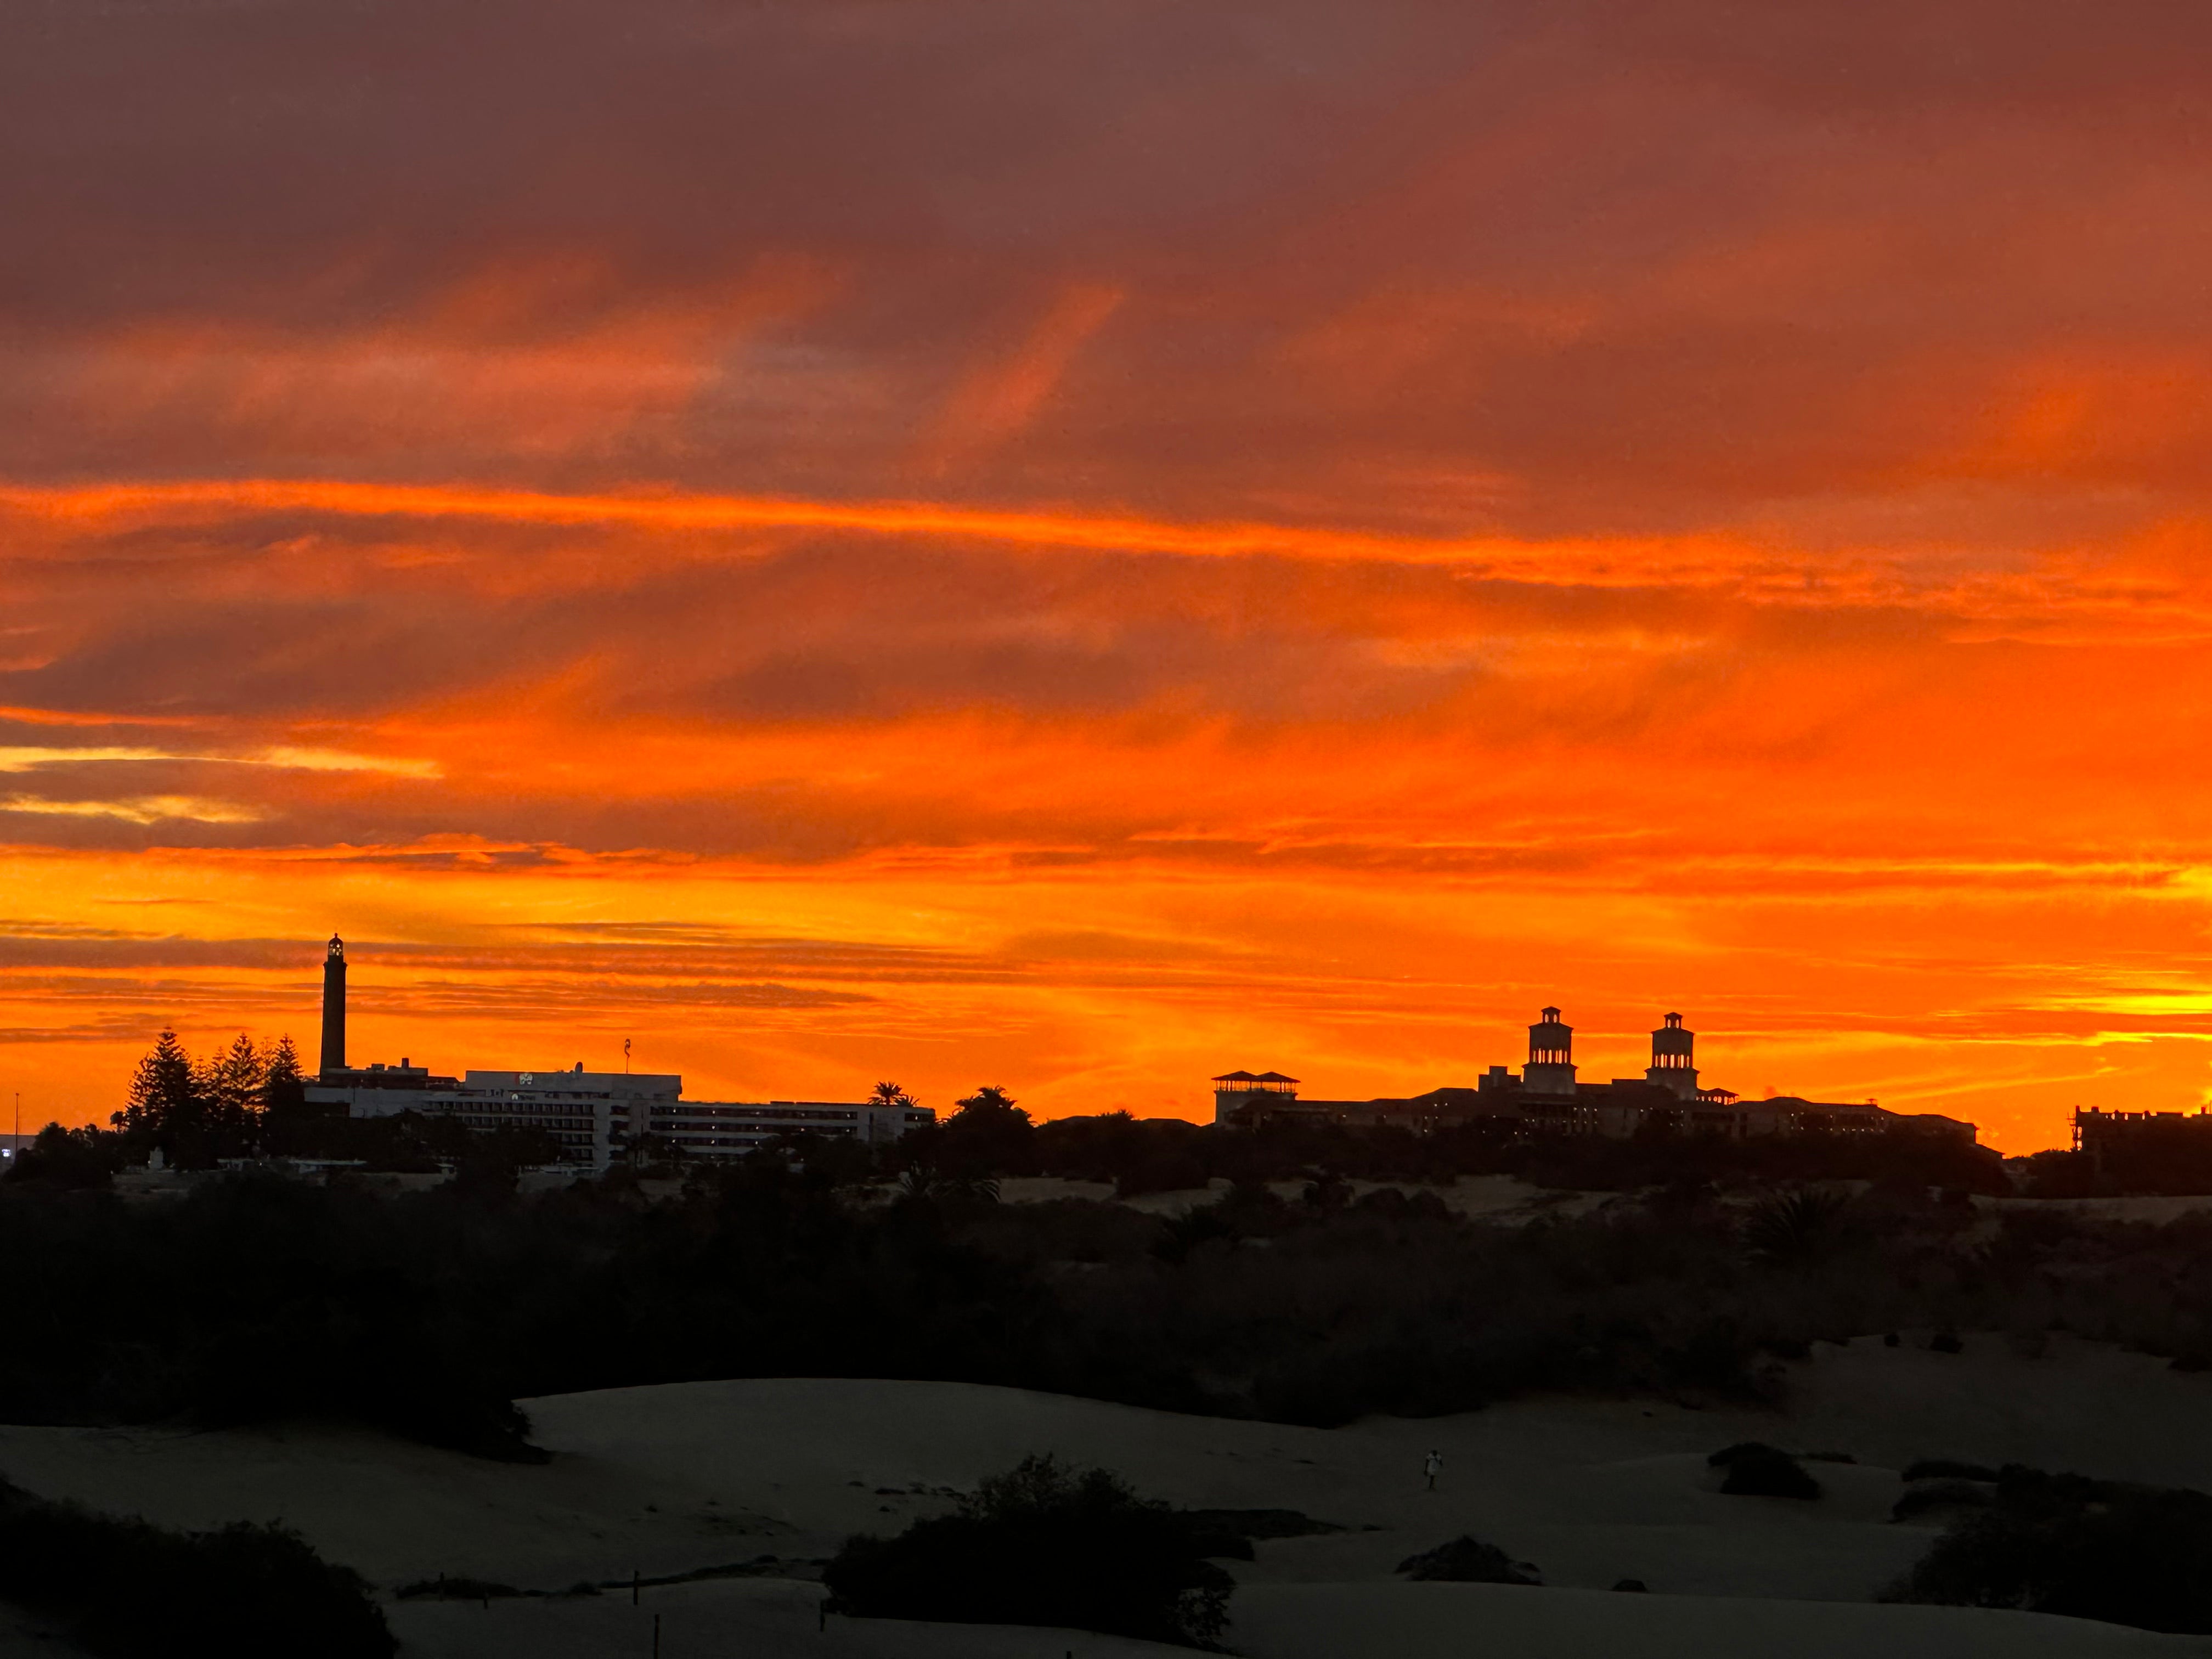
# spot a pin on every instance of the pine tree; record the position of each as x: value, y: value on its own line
x: 164, y: 1093
x: 282, y: 1085
x: 232, y: 1086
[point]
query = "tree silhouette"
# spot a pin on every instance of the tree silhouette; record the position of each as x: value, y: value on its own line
x: 988, y: 1134
x: 193, y: 1113
x: 889, y: 1094
x: 164, y: 1093
x: 66, y: 1158
x: 231, y: 1083
x: 283, y: 1087
x: 1796, y: 1226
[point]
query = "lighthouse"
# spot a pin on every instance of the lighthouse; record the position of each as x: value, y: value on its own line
x: 334, y: 1007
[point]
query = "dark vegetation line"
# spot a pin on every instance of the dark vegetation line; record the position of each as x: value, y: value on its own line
x: 256, y: 1297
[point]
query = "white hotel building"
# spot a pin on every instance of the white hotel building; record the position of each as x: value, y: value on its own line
x: 597, y: 1117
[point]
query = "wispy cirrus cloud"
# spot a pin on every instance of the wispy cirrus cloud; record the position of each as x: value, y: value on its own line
x: 24, y: 757
x: 142, y: 810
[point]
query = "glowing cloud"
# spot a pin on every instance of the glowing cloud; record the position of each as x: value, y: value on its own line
x: 1178, y: 539
x: 23, y: 758
x: 144, y: 809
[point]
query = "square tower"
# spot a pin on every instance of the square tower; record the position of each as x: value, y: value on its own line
x: 1550, y: 1067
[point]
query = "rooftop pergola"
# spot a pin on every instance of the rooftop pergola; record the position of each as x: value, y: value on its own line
x: 1254, y: 1082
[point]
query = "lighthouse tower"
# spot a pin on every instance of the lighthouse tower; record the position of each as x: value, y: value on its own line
x: 334, y: 1008
x: 1550, y: 1067
x: 1673, y: 1067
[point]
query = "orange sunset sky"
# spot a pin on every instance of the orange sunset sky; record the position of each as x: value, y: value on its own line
x: 1082, y: 546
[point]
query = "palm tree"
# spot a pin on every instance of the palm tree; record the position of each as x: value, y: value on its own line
x: 1794, y: 1226
x: 921, y: 1184
x: 889, y: 1094
x: 990, y: 1100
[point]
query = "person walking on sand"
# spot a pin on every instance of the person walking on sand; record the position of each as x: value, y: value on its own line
x: 1433, y: 1467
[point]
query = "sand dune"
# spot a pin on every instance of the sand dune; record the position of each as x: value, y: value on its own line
x: 675, y: 1478
x: 752, y: 1617
x: 1476, y: 1622
x: 778, y: 1620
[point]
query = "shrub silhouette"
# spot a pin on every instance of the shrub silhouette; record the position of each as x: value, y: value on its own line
x: 2087, y: 1549
x: 1228, y: 1534
x: 1940, y: 1495
x: 1043, y: 1544
x: 1947, y: 1468
x: 1794, y: 1226
x: 129, y: 1588
x: 67, y: 1158
x: 1757, y: 1470
x: 1467, y: 1560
